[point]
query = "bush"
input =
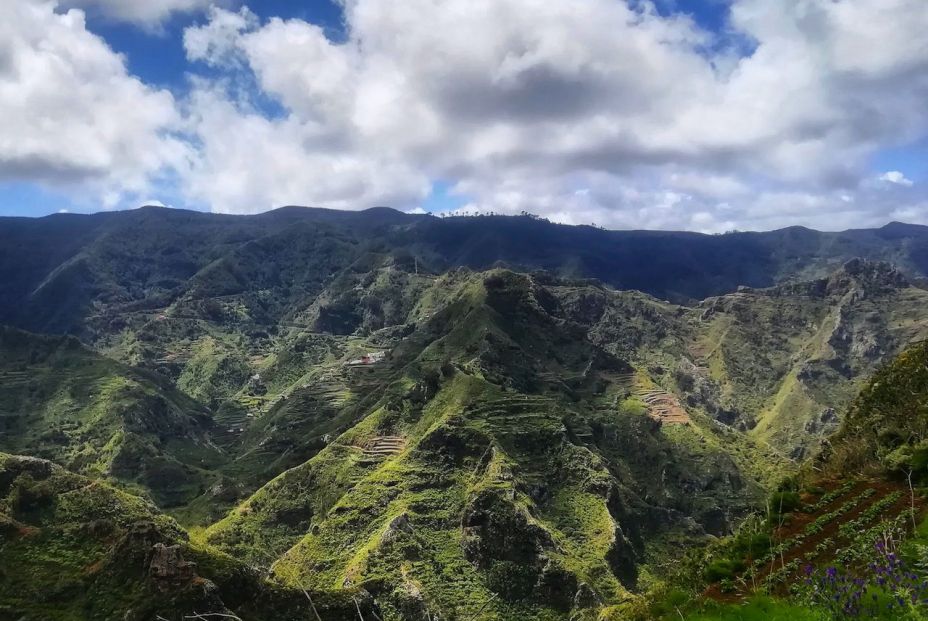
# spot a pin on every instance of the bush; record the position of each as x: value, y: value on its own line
x: 788, y: 484
x: 513, y: 581
x: 783, y: 502
x: 754, y: 545
x: 723, y: 569
x: 909, y: 458
x: 633, y: 407
x: 29, y: 497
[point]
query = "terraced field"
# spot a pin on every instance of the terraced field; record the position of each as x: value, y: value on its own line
x: 14, y: 379
x: 382, y: 447
x: 663, y: 407
x: 363, y: 379
x: 230, y: 424
x: 516, y: 415
x: 836, y: 527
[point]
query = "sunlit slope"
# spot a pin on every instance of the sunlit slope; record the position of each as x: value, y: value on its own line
x: 477, y: 481
x: 61, y: 401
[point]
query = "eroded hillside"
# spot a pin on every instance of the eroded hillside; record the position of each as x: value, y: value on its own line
x: 331, y: 399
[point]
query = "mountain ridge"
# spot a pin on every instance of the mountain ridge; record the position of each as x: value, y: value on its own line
x: 66, y: 261
x: 465, y: 416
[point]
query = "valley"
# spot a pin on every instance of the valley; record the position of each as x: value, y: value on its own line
x: 423, y: 418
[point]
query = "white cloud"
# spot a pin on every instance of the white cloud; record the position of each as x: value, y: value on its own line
x: 71, y: 116
x: 147, y: 13
x: 248, y: 163
x: 216, y: 42
x: 896, y: 177
x: 525, y: 102
x: 419, y: 211
x: 579, y: 110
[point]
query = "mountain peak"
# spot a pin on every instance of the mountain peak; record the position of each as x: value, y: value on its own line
x: 870, y: 275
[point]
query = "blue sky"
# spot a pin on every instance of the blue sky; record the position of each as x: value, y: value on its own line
x: 157, y: 57
x: 696, y: 114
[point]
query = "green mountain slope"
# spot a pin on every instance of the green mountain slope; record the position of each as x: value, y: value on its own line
x: 787, y: 361
x: 61, y: 401
x: 72, y: 548
x: 499, y: 471
x: 887, y: 424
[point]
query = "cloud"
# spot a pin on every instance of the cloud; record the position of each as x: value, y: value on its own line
x: 896, y: 177
x: 582, y: 111
x: 71, y: 116
x: 216, y: 42
x: 248, y: 163
x: 147, y: 13
x: 525, y: 103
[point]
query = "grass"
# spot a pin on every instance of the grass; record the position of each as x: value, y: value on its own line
x: 756, y: 609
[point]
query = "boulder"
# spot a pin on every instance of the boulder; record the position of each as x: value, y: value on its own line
x: 168, y: 568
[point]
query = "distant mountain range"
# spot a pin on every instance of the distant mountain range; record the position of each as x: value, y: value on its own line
x: 58, y: 272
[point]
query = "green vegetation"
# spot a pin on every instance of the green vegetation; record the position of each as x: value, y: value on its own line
x: 887, y: 425
x: 76, y: 549
x: 755, y: 609
x: 60, y: 401
x: 327, y: 402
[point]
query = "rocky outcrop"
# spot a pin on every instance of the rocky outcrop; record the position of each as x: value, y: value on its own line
x: 586, y: 597
x: 397, y: 527
x: 623, y: 559
x: 167, y: 567
x: 556, y: 586
x: 867, y: 278
x: 500, y: 538
x: 824, y: 423
x: 495, y: 529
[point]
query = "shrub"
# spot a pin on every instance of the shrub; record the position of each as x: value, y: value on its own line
x: 754, y: 545
x: 513, y: 581
x: 723, y: 569
x: 783, y: 502
x: 29, y: 497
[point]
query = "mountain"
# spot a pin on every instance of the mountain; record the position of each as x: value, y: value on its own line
x: 64, y: 402
x: 552, y: 395
x: 73, y: 548
x: 80, y: 273
x: 478, y: 417
x: 786, y: 361
x: 505, y: 449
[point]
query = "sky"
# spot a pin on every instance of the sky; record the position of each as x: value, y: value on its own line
x: 706, y: 115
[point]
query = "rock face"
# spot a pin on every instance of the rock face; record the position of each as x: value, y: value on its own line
x: 500, y: 538
x: 496, y: 530
x: 586, y: 597
x: 398, y: 527
x: 168, y: 567
x: 622, y: 559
